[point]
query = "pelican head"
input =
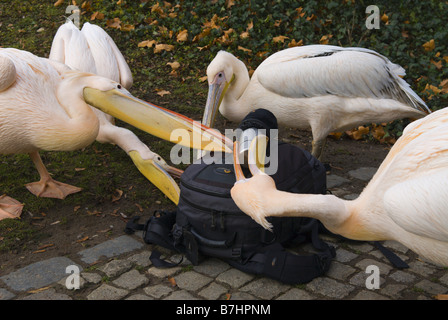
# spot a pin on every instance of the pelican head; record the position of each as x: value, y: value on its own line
x: 220, y: 74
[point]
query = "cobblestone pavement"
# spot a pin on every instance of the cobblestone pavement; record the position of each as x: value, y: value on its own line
x: 127, y: 274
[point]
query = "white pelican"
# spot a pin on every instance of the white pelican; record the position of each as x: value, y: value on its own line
x: 45, y: 106
x: 92, y: 50
x: 325, y: 88
x: 406, y: 200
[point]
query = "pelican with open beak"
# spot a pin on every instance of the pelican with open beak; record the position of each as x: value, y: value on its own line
x: 162, y: 123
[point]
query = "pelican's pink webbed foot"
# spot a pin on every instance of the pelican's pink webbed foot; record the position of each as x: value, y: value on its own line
x: 49, y: 188
x: 9, y: 207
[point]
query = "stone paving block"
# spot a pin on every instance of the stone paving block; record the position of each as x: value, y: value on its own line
x: 330, y: 288
x: 141, y: 259
x: 158, y: 291
x: 393, y: 290
x: 39, y: 274
x: 422, y: 268
x: 131, y: 280
x: 432, y: 287
x: 213, y: 291
x: 212, y: 267
x: 110, y: 248
x: 116, y: 267
x: 107, y: 292
x: 343, y: 255
x: 444, y: 279
x: 340, y: 271
x: 6, y: 295
x: 91, y: 277
x: 265, y: 288
x: 235, y: 278
x: 191, y: 280
x: 295, y: 294
x: 181, y: 295
x: 403, y: 277
x: 163, y: 272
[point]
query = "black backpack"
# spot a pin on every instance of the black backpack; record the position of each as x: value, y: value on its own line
x: 207, y: 222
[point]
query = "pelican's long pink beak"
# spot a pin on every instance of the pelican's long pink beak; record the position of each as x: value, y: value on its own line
x: 157, y: 121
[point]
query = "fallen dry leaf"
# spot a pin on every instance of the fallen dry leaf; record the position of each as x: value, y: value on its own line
x: 83, y: 239
x: 76, y: 208
x: 294, y: 43
x: 39, y: 251
x: 202, y: 79
x: 172, y: 281
x: 127, y: 27
x: 300, y: 14
x: 444, y: 85
x: 438, y: 64
x: 45, y: 246
x: 39, y: 290
x: 378, y: 132
x: 358, y: 133
x: 58, y: 3
x: 163, y: 47
x: 244, y: 49
x: 244, y: 35
x: 114, y: 23
x: 162, y: 92
x: 279, y: 39
x: 97, y: 15
x: 385, y: 18
x: 117, y: 195
x: 182, y: 35
x: 325, y: 39
x: 429, y: 46
x: 336, y: 135
x: 174, y: 65
x: 147, y: 43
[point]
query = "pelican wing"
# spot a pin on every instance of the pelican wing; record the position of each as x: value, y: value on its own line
x: 311, y: 71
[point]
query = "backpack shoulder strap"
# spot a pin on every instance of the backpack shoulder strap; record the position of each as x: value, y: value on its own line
x: 275, y: 262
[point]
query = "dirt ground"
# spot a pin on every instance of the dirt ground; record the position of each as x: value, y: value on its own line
x: 64, y: 232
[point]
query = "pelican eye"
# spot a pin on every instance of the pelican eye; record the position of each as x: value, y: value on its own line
x: 119, y: 86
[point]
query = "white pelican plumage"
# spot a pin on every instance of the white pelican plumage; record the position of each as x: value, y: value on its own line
x: 406, y: 200
x: 46, y: 106
x: 92, y: 50
x: 325, y: 88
